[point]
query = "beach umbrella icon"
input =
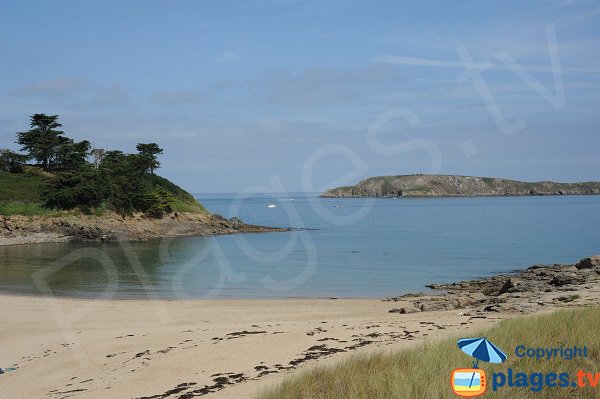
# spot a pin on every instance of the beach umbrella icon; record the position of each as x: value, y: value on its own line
x: 481, y: 349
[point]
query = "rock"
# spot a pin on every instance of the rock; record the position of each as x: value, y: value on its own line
x: 506, y: 286
x: 436, y: 304
x: 593, y: 262
x: 409, y: 310
x: 559, y: 281
x: 464, y: 302
x: 492, y: 308
x: 496, y: 301
x: 8, y: 225
x: 566, y: 298
x: 404, y: 296
x: 235, y: 222
x: 412, y: 295
x: 403, y: 310
x: 497, y: 287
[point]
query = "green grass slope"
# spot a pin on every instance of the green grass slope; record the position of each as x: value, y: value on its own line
x: 25, y: 187
x: 424, y: 372
x: 184, y: 201
x: 21, y: 193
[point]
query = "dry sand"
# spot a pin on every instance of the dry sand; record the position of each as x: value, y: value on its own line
x: 131, y: 349
x: 235, y: 348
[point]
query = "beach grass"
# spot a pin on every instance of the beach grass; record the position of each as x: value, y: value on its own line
x: 424, y: 372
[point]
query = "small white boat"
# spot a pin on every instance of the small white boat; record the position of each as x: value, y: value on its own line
x: 271, y: 206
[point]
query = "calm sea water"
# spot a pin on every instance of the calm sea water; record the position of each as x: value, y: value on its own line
x: 359, y: 248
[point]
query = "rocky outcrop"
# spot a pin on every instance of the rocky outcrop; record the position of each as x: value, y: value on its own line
x: 112, y: 227
x: 525, y: 291
x: 593, y: 262
x: 457, y: 186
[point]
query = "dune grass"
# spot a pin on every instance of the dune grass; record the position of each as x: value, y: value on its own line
x: 424, y: 372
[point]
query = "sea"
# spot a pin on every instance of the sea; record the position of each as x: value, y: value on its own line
x: 339, y: 248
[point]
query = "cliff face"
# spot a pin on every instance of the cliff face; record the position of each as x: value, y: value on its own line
x: 457, y: 186
x: 113, y: 228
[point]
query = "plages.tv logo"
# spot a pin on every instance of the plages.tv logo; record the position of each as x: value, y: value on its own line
x: 470, y: 382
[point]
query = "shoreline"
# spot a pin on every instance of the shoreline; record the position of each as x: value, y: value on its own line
x: 20, y: 230
x: 234, y: 348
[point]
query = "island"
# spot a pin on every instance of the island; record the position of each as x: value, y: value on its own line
x: 422, y: 185
x: 73, y: 192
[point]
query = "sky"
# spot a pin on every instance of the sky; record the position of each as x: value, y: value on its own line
x: 302, y: 95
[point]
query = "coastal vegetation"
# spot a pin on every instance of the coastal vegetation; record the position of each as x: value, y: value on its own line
x: 424, y: 371
x: 69, y: 175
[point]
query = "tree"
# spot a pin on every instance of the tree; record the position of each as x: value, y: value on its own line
x: 123, y: 176
x: 97, y: 156
x: 42, y: 140
x: 72, y: 156
x: 11, y: 161
x: 149, y: 152
x: 75, y: 188
x: 158, y: 203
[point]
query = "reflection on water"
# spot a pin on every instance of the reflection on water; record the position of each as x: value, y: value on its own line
x: 399, y: 246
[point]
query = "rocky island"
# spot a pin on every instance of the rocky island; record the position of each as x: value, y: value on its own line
x: 421, y: 185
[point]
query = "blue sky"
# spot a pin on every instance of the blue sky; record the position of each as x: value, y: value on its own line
x: 240, y: 93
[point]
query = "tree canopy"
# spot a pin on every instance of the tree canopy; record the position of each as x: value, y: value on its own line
x: 11, y: 161
x: 149, y: 152
x: 121, y: 182
x: 42, y: 141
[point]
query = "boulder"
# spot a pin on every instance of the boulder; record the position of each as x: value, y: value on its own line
x: 497, y: 287
x: 506, y: 286
x: 403, y: 310
x: 464, y: 302
x: 593, y: 262
x: 492, y: 308
x: 559, y: 281
x: 437, y: 304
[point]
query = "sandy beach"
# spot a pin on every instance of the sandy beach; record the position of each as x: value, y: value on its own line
x: 132, y: 349
x: 235, y: 348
